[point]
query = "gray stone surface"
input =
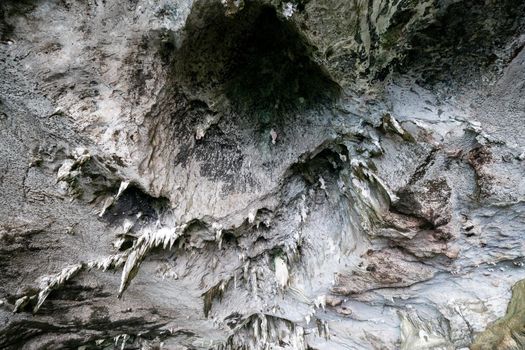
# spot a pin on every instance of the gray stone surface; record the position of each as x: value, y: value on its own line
x: 260, y: 174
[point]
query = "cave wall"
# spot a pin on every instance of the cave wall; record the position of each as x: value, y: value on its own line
x: 261, y: 174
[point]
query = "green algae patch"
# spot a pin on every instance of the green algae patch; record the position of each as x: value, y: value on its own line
x: 507, y: 333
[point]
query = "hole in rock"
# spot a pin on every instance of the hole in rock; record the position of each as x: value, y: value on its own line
x: 135, y: 204
x: 256, y: 59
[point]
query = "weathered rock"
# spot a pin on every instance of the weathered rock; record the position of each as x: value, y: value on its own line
x: 507, y: 332
x: 261, y: 174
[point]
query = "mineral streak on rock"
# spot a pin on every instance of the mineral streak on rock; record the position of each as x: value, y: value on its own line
x: 262, y: 174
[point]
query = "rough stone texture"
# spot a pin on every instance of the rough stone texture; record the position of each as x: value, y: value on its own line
x: 341, y: 174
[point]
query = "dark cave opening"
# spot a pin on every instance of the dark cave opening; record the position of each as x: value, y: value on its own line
x: 257, y: 60
x: 467, y: 41
x: 136, y: 205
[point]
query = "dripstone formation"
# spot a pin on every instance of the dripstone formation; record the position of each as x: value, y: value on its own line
x: 262, y: 174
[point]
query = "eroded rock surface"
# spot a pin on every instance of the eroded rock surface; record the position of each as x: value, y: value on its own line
x: 241, y: 174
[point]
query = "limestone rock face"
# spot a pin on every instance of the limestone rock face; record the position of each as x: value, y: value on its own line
x: 262, y: 174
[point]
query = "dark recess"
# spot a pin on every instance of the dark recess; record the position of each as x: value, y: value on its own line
x: 132, y: 202
x: 258, y: 60
x: 465, y: 42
